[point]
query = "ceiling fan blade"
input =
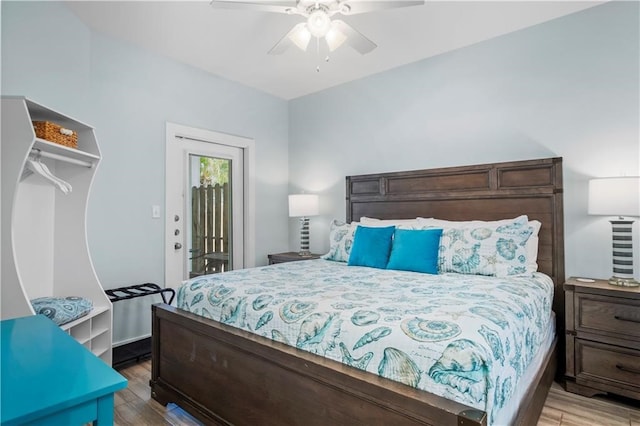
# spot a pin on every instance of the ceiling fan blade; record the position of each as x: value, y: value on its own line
x: 355, y: 7
x: 354, y: 38
x: 261, y: 6
x: 298, y: 36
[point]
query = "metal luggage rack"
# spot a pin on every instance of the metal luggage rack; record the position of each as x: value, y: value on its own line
x: 140, y: 349
x: 139, y: 290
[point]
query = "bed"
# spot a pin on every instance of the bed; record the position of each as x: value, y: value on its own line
x: 223, y: 374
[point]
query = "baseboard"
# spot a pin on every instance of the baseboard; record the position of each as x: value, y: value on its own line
x: 131, y: 353
x: 131, y: 340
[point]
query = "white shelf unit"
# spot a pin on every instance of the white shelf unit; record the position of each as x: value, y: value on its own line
x: 44, y: 238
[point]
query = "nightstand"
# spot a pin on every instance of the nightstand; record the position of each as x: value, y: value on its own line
x: 603, y: 338
x: 290, y: 256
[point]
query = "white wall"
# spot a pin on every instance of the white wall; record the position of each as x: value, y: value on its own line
x: 128, y: 94
x: 567, y: 88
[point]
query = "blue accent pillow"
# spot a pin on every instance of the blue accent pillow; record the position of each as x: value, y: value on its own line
x: 62, y: 310
x: 371, y: 247
x: 415, y: 250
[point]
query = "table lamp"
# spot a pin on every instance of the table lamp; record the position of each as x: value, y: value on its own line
x: 618, y: 197
x: 303, y: 206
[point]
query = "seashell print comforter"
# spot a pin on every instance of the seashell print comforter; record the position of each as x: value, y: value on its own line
x: 465, y: 337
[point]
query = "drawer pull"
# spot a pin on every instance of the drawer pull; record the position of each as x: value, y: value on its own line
x: 627, y: 369
x: 626, y: 319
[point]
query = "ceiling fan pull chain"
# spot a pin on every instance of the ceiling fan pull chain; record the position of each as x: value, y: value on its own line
x: 318, y: 53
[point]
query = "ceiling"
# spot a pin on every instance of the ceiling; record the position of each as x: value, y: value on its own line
x: 234, y: 43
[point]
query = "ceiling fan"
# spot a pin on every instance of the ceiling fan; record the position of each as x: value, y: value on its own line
x: 318, y: 14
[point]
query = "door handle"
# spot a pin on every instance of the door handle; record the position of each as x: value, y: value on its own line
x: 177, y: 246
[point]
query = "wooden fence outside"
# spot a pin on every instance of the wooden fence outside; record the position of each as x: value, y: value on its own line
x: 210, y: 229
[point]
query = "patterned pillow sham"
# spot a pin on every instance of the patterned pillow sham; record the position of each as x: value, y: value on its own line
x: 499, y: 251
x: 340, y: 241
x: 62, y: 310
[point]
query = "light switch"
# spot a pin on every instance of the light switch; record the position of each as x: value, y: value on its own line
x: 155, y: 212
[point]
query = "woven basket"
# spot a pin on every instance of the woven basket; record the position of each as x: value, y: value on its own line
x: 53, y: 133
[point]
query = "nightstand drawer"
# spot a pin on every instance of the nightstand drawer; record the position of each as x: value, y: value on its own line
x: 608, y: 364
x: 605, y: 314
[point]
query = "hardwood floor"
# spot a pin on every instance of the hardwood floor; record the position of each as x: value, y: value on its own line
x: 134, y: 406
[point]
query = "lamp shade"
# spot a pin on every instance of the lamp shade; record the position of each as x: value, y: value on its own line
x: 302, y: 205
x: 618, y: 196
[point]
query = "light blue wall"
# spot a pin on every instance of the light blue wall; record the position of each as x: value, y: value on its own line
x: 44, y: 59
x: 129, y: 94
x: 567, y: 88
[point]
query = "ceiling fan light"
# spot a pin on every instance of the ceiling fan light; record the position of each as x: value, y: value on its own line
x: 301, y: 37
x: 335, y: 38
x: 318, y: 23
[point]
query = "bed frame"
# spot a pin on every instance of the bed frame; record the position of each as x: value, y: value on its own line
x: 223, y: 375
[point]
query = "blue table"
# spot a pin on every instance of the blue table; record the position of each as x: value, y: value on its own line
x: 49, y: 378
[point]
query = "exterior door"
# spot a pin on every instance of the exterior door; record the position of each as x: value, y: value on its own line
x: 205, y: 208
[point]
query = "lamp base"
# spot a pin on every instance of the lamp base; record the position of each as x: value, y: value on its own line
x: 624, y: 282
x: 304, y: 237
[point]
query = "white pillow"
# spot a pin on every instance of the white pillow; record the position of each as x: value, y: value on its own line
x: 381, y: 223
x: 471, y: 223
x: 532, y: 245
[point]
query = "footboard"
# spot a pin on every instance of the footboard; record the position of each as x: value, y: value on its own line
x: 223, y: 375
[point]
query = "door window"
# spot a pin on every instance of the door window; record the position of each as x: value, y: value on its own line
x: 209, y: 219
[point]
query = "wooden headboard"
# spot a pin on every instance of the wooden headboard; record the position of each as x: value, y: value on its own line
x: 481, y: 192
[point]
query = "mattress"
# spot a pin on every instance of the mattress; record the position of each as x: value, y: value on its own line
x: 468, y: 338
